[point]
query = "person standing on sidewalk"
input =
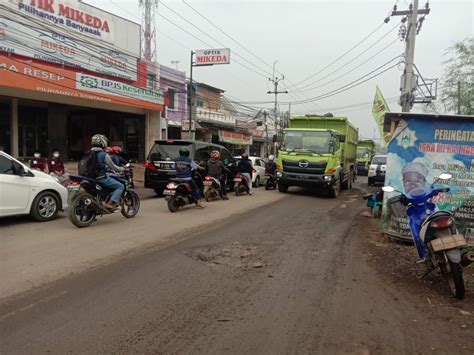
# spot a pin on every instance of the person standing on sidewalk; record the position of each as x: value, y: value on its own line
x: 245, y: 169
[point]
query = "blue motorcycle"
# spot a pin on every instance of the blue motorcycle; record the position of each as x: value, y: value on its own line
x: 87, y: 200
x: 436, y: 238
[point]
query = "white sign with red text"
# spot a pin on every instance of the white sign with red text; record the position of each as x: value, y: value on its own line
x: 73, y: 18
x: 212, y: 56
x: 51, y: 47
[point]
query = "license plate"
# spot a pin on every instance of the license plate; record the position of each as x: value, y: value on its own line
x: 237, y: 180
x: 169, y: 192
x: 207, y: 183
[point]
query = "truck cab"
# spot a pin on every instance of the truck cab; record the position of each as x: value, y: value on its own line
x: 319, y: 157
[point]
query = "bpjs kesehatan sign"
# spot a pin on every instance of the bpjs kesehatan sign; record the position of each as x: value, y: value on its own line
x: 80, y: 18
x: 212, y: 56
x: 17, y: 38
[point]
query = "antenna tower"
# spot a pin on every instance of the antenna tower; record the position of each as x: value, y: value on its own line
x: 148, y: 8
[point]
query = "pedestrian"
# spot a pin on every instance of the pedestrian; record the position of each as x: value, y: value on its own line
x: 56, y: 168
x: 38, y: 162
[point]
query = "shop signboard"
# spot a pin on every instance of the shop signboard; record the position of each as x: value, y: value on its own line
x: 235, y: 138
x: 52, y: 47
x: 211, y: 56
x: 31, y: 75
x: 422, y: 149
x: 78, y: 20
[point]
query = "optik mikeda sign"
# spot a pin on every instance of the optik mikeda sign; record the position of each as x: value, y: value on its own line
x: 212, y: 56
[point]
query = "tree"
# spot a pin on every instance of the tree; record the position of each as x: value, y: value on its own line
x: 457, y: 94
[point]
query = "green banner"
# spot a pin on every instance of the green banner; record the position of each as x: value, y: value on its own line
x: 379, y: 108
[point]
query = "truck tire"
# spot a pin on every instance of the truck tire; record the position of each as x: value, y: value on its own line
x: 282, y: 187
x: 345, y: 185
x: 334, y: 191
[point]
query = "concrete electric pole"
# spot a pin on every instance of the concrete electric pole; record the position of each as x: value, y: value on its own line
x: 409, y: 78
x: 275, y: 80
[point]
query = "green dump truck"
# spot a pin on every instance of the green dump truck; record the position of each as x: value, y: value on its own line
x: 318, y: 152
x: 365, y: 153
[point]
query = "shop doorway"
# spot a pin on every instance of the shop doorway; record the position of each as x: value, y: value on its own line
x: 32, y: 130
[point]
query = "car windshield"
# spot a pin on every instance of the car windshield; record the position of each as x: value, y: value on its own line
x: 379, y: 160
x: 307, y: 141
x: 168, y: 151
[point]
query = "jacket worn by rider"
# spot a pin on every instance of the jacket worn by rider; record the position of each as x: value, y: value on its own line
x: 271, y: 167
x: 184, y: 166
x: 104, y: 162
x: 216, y: 169
x: 245, y: 167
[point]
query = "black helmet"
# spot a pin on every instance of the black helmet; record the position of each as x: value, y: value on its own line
x: 245, y: 156
x: 183, y: 152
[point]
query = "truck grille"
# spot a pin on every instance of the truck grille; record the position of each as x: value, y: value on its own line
x: 312, y: 168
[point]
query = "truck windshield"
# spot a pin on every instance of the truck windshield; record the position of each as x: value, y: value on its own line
x: 307, y: 141
x: 362, y: 153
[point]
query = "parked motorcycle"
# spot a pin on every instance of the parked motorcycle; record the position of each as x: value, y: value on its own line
x: 241, y: 184
x: 212, y: 188
x: 87, y: 200
x: 436, y: 238
x: 178, y: 193
x: 271, y: 181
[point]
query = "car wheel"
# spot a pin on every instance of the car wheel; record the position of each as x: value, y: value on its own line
x: 159, y: 192
x: 45, y: 206
x: 257, y: 181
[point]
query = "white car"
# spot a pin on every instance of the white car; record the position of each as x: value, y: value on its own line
x: 27, y: 191
x: 258, y: 178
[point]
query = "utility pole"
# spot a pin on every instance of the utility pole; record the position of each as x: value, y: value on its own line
x: 275, y: 91
x: 459, y: 97
x: 409, y: 79
x: 191, y: 99
x: 266, y: 133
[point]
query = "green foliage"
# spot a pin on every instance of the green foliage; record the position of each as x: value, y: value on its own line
x: 459, y: 69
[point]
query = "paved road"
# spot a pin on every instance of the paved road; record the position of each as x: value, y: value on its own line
x: 288, y: 278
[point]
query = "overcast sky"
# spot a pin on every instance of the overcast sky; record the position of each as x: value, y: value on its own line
x: 304, y: 36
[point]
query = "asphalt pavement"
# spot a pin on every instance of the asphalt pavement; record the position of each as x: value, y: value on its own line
x: 290, y: 276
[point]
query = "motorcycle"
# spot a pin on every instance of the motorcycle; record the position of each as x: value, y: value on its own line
x: 88, y: 200
x: 178, y: 193
x: 271, y: 182
x: 212, y: 188
x: 436, y: 238
x: 241, y: 185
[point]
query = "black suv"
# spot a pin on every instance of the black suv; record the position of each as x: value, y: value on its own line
x: 160, y: 166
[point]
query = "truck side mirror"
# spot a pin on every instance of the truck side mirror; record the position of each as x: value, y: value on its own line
x: 342, y: 138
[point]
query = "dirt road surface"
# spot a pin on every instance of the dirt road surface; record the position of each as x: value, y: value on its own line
x: 300, y: 275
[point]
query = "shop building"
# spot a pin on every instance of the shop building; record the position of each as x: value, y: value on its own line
x: 59, y: 84
x: 173, y: 84
x: 215, y: 120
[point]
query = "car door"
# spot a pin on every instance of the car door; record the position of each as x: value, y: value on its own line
x: 14, y: 189
x: 260, y: 167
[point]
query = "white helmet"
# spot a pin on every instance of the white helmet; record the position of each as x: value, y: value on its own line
x: 271, y: 157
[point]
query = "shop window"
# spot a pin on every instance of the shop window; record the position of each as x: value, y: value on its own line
x: 199, y: 103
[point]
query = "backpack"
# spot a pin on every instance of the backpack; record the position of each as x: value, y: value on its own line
x: 88, y: 165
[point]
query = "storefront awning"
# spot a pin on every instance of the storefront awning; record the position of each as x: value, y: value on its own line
x: 235, y: 138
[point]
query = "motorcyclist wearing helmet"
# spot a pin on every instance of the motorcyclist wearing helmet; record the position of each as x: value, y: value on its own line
x: 270, y: 166
x: 217, y: 170
x: 245, y: 169
x: 184, y: 172
x: 104, y: 163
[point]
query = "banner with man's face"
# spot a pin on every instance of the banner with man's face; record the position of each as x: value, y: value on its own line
x: 421, y: 150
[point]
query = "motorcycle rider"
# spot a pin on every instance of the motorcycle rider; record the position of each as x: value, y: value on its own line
x: 104, y: 162
x: 116, y: 158
x: 271, y: 166
x: 245, y: 169
x: 217, y: 170
x: 184, y: 172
